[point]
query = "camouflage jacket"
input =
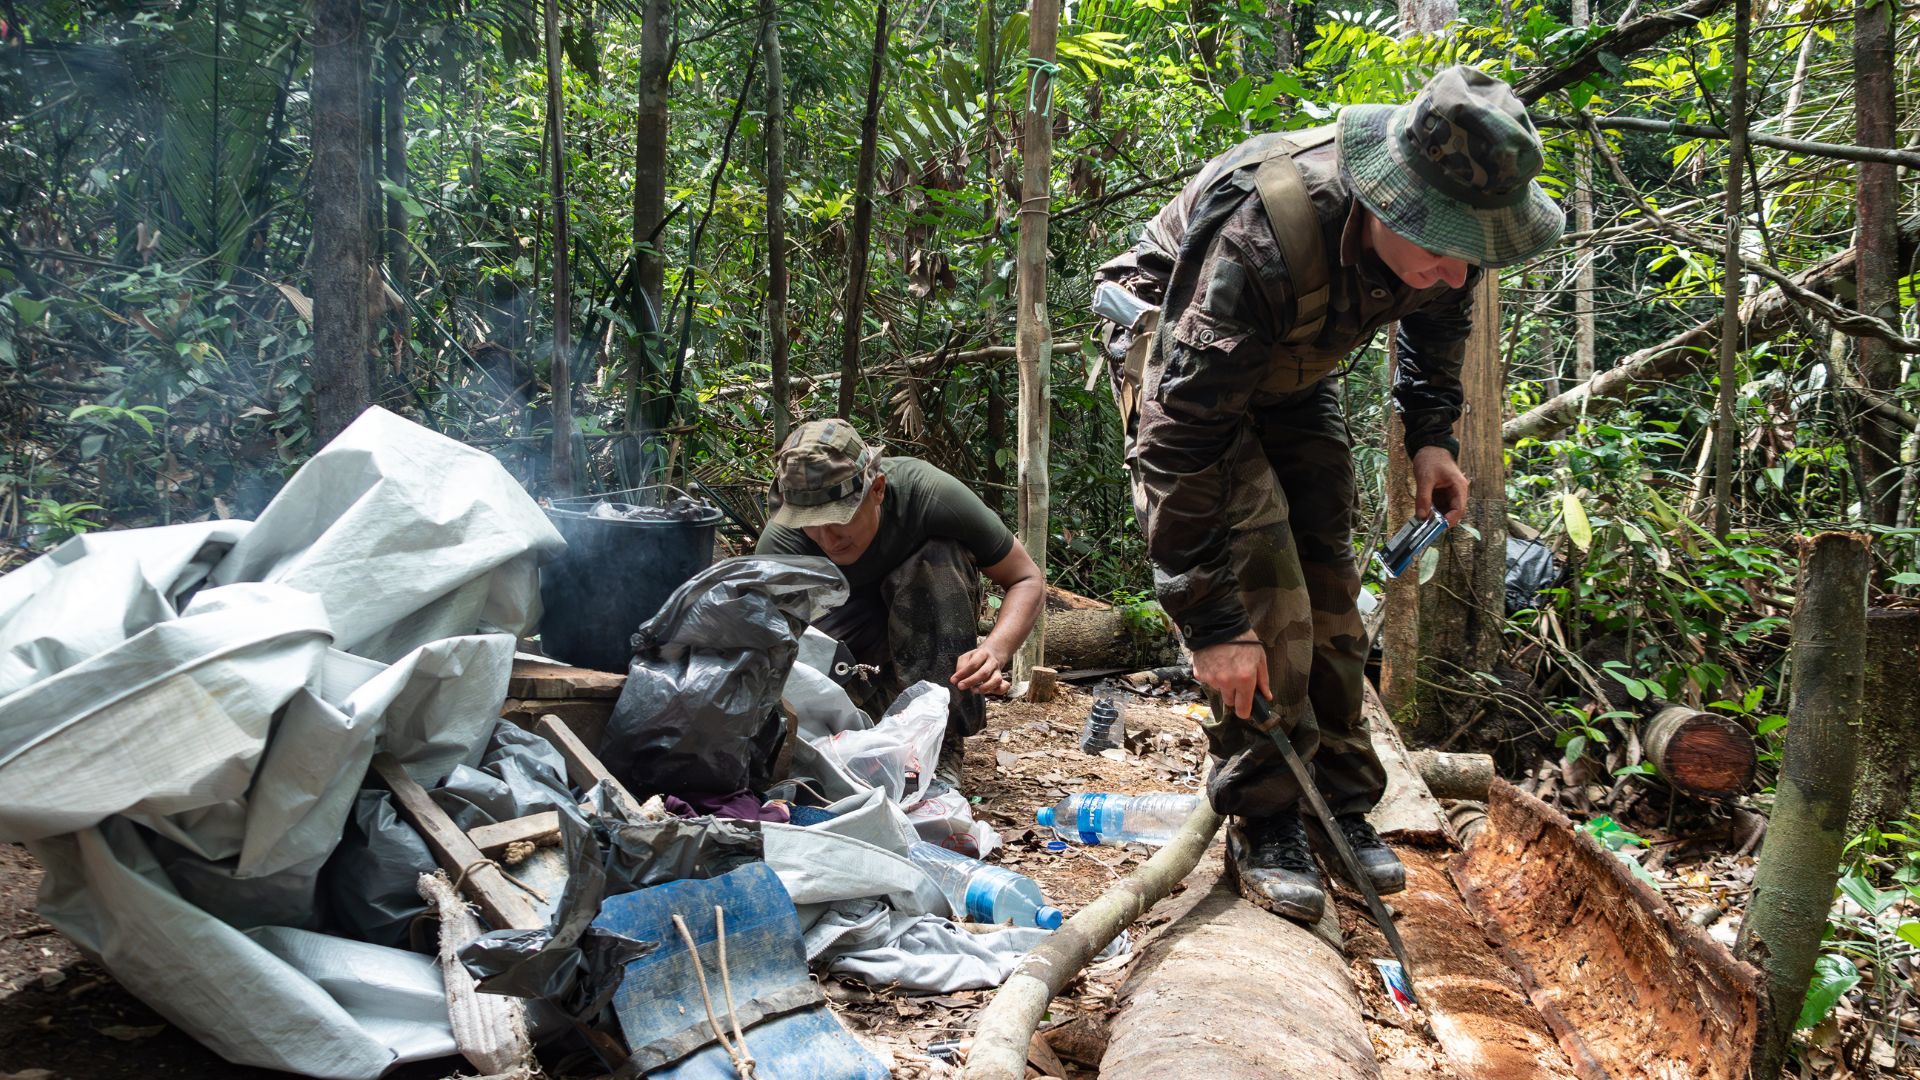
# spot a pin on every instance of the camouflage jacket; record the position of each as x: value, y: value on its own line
x: 1210, y: 260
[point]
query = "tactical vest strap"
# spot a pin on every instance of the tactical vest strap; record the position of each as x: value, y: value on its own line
x: 1283, y: 193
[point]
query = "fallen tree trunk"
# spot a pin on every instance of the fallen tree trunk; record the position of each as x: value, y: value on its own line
x: 1702, y: 754
x: 1104, y: 637
x: 1629, y: 985
x: 1007, y: 1024
x: 1455, y: 776
x: 1231, y: 992
x: 1765, y: 317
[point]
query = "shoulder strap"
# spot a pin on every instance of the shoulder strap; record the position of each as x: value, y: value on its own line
x: 1283, y: 193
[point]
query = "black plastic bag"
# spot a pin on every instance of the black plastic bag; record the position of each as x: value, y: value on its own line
x: 698, y: 715
x: 1530, y: 568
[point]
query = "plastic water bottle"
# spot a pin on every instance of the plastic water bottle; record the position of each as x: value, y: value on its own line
x: 982, y: 893
x: 1118, y: 819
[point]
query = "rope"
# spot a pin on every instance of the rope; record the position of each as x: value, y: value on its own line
x: 739, y: 1055
x: 1037, y: 67
x: 484, y: 861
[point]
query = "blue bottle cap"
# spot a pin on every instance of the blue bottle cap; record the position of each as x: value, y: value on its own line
x: 1056, y: 845
x: 1048, y: 918
x: 1044, y: 815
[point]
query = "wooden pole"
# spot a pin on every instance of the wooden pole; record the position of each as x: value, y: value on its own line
x: 1878, y: 268
x: 1800, y: 859
x: 561, y: 375
x: 1725, y: 436
x: 778, y: 345
x: 1583, y: 322
x: 341, y: 262
x: 649, y: 193
x: 854, y: 305
x: 1033, y: 339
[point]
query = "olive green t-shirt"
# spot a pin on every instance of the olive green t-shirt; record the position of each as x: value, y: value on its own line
x: 922, y: 503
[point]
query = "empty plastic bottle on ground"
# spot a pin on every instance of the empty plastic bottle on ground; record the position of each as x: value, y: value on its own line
x: 982, y: 893
x: 1118, y: 819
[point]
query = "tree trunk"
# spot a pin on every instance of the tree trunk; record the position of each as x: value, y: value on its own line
x: 1702, y: 754
x: 649, y: 189
x: 778, y: 346
x: 562, y: 375
x: 1877, y: 202
x: 1583, y: 325
x: 1033, y: 332
x: 1889, y: 784
x: 1280, y: 24
x: 1231, y: 992
x: 1463, y: 609
x: 340, y: 259
x: 854, y: 306
x: 393, y: 110
x: 1726, y: 435
x: 1800, y: 859
x: 1400, y: 611
x: 1768, y: 315
x: 1454, y: 776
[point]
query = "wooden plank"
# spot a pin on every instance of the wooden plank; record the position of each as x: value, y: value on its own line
x: 583, y: 765
x: 501, y: 902
x: 1408, y: 812
x: 534, y: 679
x: 492, y: 839
x: 586, y: 717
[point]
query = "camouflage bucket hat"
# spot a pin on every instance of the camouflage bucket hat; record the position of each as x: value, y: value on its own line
x: 1453, y: 170
x: 820, y: 476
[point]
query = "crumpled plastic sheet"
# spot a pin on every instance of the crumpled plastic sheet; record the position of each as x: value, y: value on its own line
x: 1530, y: 568
x: 896, y: 755
x: 187, y: 714
x: 697, y: 714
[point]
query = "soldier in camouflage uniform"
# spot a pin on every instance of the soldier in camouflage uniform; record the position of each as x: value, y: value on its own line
x: 1237, y: 442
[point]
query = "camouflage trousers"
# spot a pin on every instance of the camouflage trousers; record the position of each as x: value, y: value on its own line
x: 1292, y: 500
x: 915, y: 624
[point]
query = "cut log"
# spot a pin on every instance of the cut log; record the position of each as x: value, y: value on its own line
x: 1230, y: 992
x: 1045, y: 685
x: 1096, y: 637
x: 1455, y: 776
x: 1701, y: 754
x: 1628, y: 984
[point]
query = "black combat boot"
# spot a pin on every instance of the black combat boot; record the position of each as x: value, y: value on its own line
x: 1381, y: 865
x: 1269, y: 858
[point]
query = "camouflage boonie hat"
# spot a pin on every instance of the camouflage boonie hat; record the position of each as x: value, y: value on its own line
x: 1453, y: 170
x: 821, y: 475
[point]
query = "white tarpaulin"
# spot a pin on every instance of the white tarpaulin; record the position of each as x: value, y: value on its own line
x: 186, y: 714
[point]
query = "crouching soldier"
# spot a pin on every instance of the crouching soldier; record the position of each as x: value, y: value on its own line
x: 1230, y: 319
x: 913, y: 542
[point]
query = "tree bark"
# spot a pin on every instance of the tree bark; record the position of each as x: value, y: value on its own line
x: 561, y: 372
x: 394, y: 111
x: 1800, y: 859
x: 1888, y: 787
x: 1701, y: 754
x: 1231, y: 992
x: 340, y: 259
x: 854, y: 306
x: 1731, y: 279
x: 1400, y: 599
x: 1583, y: 326
x: 1463, y: 608
x: 1032, y: 329
x: 1767, y: 316
x: 649, y: 187
x: 778, y: 347
x: 1877, y: 202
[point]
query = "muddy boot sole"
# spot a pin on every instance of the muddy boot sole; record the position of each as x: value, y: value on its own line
x: 1305, y: 913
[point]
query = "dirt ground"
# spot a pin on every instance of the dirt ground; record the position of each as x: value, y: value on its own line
x: 62, y: 1017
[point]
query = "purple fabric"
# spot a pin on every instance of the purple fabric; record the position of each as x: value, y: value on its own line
x: 744, y: 805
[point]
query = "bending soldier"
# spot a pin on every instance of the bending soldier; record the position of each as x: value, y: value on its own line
x: 1276, y: 263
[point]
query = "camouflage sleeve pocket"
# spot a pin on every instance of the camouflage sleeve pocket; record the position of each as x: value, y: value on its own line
x: 1202, y: 330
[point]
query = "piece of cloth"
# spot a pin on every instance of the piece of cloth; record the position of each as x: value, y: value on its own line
x: 740, y: 806
x: 921, y: 503
x: 914, y: 625
x: 1211, y: 260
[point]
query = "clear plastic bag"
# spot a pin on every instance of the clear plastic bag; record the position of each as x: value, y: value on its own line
x: 898, y: 754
